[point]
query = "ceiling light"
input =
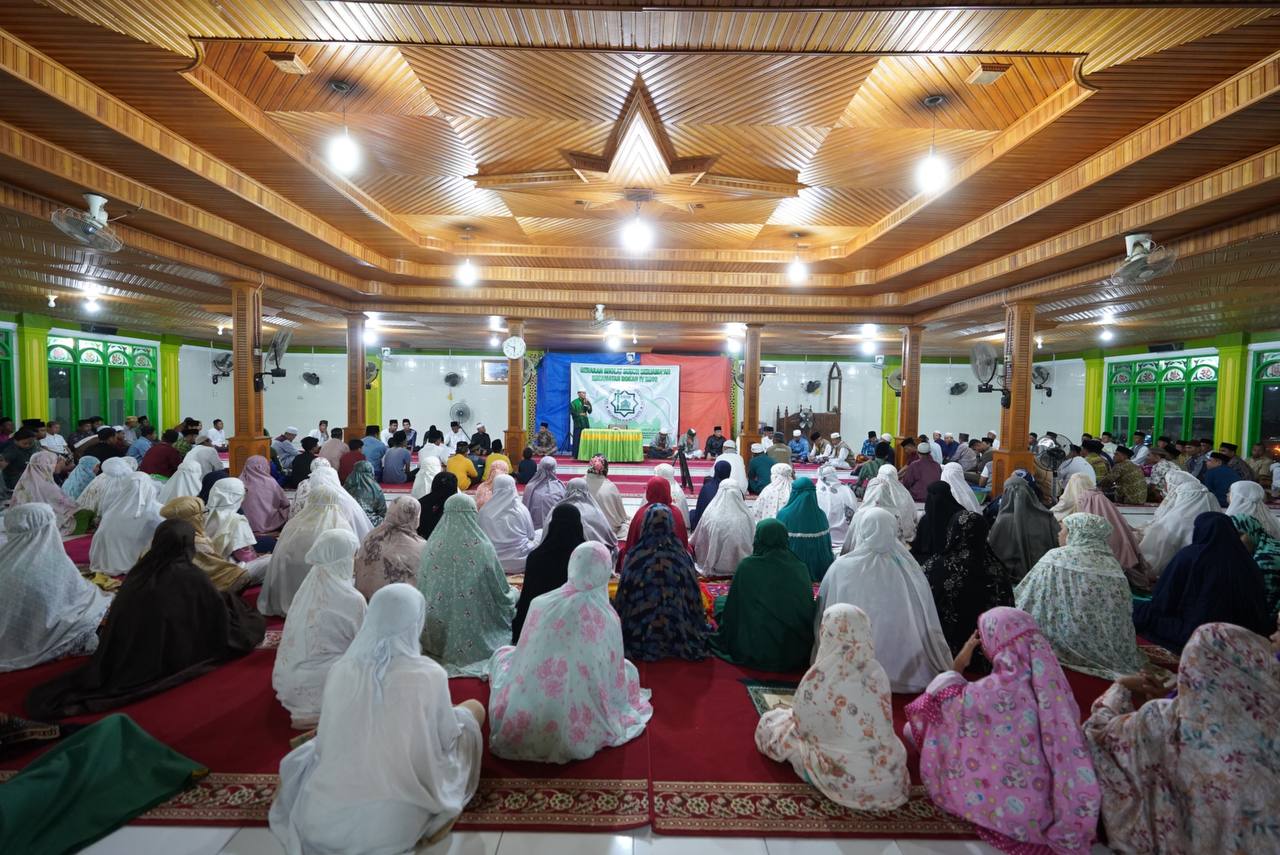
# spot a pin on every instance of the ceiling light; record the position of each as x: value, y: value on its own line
x: 734, y: 345
x: 613, y: 342
x: 92, y: 307
x: 53, y: 301
x: 1108, y: 317
x: 220, y: 329
x: 1039, y: 342
x: 1106, y: 334
x: 868, y: 347
x: 797, y: 270
x: 735, y: 329
x: 495, y: 323
x: 466, y: 273
x: 634, y: 340
x: 92, y: 290
x: 614, y: 328
x: 494, y: 341
x: 343, y: 153
x: 370, y: 335
x: 637, y: 235
x: 870, y: 330
x: 931, y: 173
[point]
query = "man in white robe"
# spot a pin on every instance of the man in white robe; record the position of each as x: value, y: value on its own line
x: 737, y: 466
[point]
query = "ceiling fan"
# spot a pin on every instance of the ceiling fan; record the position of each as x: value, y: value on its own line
x: 1144, y: 260
x: 91, y: 226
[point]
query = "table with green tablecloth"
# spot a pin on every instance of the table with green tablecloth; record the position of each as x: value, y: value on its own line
x: 615, y: 445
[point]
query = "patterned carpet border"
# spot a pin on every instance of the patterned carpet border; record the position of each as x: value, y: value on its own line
x: 758, y: 808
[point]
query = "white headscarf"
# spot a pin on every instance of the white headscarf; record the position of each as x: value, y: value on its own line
x: 725, y: 533
x: 838, y: 735
x: 1248, y: 500
x: 953, y: 474
x: 304, y: 487
x: 837, y: 502
x: 50, y: 611
x: 776, y: 493
x: 289, y: 565
x: 594, y: 525
x: 1172, y: 524
x: 737, y: 467
x: 880, y: 577
x: 508, y: 525
x: 878, y: 495
x: 225, y: 526
x: 543, y: 492
x: 114, y: 472
x: 429, y: 466
x: 130, y: 514
x: 323, y: 618
x: 208, y: 458
x: 393, y: 760
x: 1076, y: 485
x: 904, y: 505
x: 184, y: 482
x: 678, y: 499
x: 609, y: 500
x: 356, y: 518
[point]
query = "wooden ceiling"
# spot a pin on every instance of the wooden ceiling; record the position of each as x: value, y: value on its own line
x: 516, y: 134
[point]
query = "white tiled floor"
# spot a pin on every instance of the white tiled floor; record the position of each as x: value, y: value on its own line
x: 153, y: 840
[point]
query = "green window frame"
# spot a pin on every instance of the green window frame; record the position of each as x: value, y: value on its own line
x: 1176, y: 397
x: 94, y: 377
x: 8, y: 393
x: 1264, y: 400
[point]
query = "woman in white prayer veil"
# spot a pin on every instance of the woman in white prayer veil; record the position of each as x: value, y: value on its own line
x: 1248, y: 500
x: 429, y: 466
x: 953, y: 474
x: 393, y: 762
x: 725, y: 533
x: 114, y: 472
x: 130, y: 514
x: 902, y: 500
x: 207, y: 457
x: 1077, y: 484
x: 224, y: 525
x: 304, y: 489
x: 323, y: 619
x: 775, y: 494
x: 878, y: 495
x: 1173, y: 523
x: 289, y: 565
x: 185, y: 482
x: 837, y: 502
x: 594, y: 525
x: 679, y: 500
x: 50, y: 610
x: 506, y: 522
x: 880, y: 577
x: 355, y: 516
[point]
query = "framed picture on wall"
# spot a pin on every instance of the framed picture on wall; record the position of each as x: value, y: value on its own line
x: 493, y: 372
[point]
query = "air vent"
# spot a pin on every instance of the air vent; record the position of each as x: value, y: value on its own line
x: 288, y: 62
x: 987, y: 73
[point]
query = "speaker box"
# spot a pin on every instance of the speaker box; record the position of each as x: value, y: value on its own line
x: 100, y: 329
x: 1166, y: 347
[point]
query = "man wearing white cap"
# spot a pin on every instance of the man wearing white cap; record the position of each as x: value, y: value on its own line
x: 935, y: 447
x: 758, y: 474
x: 285, y: 449
x: 841, y: 453
x: 819, y: 449
x: 737, y: 466
x: 202, y: 450
x: 661, y: 447
x: 799, y: 447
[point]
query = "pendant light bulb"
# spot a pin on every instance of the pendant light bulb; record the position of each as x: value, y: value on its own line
x: 868, y: 348
x: 53, y: 301
x: 494, y: 341
x: 734, y: 345
x: 466, y: 274
x: 797, y: 271
x: 343, y: 153
x: 92, y: 306
x: 1106, y: 334
x: 931, y: 173
x: 637, y: 235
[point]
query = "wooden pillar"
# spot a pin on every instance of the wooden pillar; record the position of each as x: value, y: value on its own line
x: 750, y: 433
x: 246, y: 354
x: 1015, y: 419
x: 513, y: 438
x: 909, y: 403
x: 356, y: 420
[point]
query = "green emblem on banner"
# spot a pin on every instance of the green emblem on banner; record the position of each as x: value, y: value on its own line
x: 624, y: 404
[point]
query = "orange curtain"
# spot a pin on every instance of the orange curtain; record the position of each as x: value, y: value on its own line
x: 704, y: 392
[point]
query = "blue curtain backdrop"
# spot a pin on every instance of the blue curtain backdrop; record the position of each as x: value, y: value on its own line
x: 554, y: 393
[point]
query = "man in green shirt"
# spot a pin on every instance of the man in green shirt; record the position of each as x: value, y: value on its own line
x: 1125, y: 479
x: 580, y: 412
x: 758, y: 469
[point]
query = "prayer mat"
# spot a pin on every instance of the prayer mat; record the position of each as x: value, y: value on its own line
x: 770, y: 694
x: 17, y: 733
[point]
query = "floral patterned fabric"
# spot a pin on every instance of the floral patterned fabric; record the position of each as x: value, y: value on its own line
x: 566, y: 690
x: 363, y: 487
x: 658, y: 596
x: 36, y: 485
x: 1266, y: 554
x: 469, y: 602
x: 966, y: 578
x: 393, y: 550
x: 1007, y: 752
x: 1197, y: 772
x: 1079, y: 597
x: 839, y: 734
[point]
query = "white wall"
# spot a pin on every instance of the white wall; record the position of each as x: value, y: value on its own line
x: 860, y: 409
x: 414, y: 387
x: 287, y: 401
x: 976, y: 413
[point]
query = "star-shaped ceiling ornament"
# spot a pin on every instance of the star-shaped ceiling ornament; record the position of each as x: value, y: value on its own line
x: 639, y: 163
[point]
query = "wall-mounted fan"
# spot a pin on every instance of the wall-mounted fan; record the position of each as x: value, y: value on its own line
x: 460, y: 412
x: 453, y: 379
x: 371, y: 372
x: 530, y: 370
x: 311, y: 378
x: 765, y: 370
x: 894, y: 381
x: 90, y: 227
x: 1144, y: 260
x: 222, y: 365
x: 1051, y: 452
x: 982, y: 360
x: 958, y: 388
x: 812, y: 386
x: 1041, y: 377
x: 275, y: 352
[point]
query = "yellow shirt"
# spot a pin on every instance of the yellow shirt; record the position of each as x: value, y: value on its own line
x: 494, y: 458
x: 464, y: 470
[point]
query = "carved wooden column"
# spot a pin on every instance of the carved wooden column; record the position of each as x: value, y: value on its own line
x: 1015, y: 419
x: 246, y: 353
x: 909, y: 403
x: 750, y: 433
x: 513, y: 438
x: 356, y: 421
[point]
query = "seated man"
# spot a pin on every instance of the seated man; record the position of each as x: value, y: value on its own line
x: 1125, y: 479
x: 715, y: 443
x: 662, y: 448
x: 799, y: 447
x: 481, y: 443
x: 544, y: 442
x: 841, y: 453
x: 1219, y: 476
x: 779, y: 451
x: 758, y: 470
x: 689, y: 445
x: 819, y: 448
x: 462, y: 468
x: 282, y: 445
x: 300, y: 467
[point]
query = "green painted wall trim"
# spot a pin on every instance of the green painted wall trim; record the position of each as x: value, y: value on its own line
x: 170, y: 396
x: 33, y: 366
x: 1233, y: 372
x: 888, y: 400
x: 373, y: 395
x: 1094, y: 393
